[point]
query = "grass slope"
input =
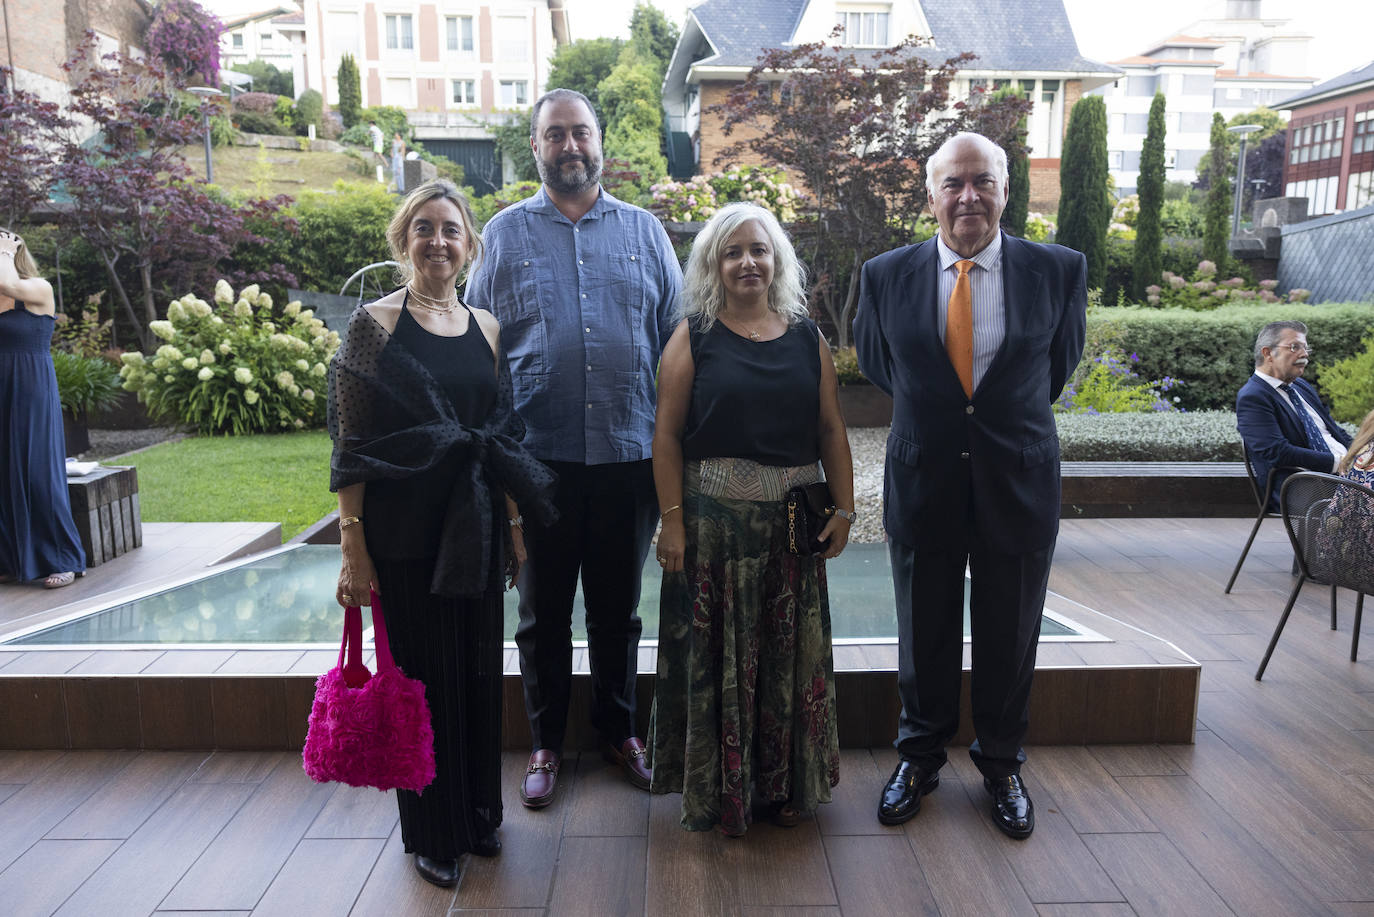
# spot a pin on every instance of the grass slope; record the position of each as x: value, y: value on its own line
x: 271, y: 478
x: 265, y: 172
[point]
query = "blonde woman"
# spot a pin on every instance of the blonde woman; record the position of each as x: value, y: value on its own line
x: 748, y: 406
x: 38, y: 539
x: 428, y: 469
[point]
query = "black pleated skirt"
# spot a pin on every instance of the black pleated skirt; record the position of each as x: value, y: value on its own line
x: 453, y: 646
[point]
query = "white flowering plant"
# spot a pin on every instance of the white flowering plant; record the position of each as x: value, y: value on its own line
x: 239, y: 366
x: 699, y: 197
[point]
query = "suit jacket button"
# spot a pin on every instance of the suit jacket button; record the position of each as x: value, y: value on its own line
x: 963, y: 455
x: 968, y: 410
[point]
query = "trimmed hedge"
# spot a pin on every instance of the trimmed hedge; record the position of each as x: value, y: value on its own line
x: 1211, y: 353
x: 1207, y: 436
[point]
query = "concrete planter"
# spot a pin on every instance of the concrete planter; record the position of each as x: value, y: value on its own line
x: 865, y: 406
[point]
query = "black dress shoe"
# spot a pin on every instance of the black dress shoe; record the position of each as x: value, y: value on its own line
x: 1012, y: 808
x: 902, y: 795
x: 488, y: 846
x: 443, y: 873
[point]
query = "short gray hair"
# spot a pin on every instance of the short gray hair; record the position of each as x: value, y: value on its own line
x: 999, y: 157
x: 557, y: 95
x: 702, y: 292
x: 1269, y: 336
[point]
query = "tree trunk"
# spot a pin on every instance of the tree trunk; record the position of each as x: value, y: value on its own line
x: 122, y: 296
x: 851, y: 304
x: 145, y: 275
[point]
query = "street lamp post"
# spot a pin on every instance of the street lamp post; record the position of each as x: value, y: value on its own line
x: 205, y: 93
x: 1244, y: 130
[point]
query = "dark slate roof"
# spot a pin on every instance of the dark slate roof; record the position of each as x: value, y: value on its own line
x: 1359, y: 75
x: 1020, y: 35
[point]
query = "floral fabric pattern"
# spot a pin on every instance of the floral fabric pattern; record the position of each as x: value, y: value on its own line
x: 744, y: 708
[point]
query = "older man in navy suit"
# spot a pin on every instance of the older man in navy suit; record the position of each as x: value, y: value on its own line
x: 974, y: 334
x: 1280, y: 417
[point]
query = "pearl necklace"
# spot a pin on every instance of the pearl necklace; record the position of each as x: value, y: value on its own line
x: 430, y: 304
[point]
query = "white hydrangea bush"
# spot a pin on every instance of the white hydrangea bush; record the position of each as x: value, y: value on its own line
x: 238, y: 366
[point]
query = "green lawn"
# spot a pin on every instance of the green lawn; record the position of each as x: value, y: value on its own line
x: 269, y: 478
x: 242, y: 168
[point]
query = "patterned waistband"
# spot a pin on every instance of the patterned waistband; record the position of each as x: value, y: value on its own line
x: 744, y: 479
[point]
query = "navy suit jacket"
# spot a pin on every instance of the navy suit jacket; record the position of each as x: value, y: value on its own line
x: 998, y: 452
x: 1275, y: 436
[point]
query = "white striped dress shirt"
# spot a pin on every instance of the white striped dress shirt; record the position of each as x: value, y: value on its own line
x: 989, y: 311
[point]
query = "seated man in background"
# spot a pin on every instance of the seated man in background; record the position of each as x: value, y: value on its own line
x: 1280, y: 417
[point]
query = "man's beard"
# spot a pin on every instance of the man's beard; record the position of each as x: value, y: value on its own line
x: 583, y: 179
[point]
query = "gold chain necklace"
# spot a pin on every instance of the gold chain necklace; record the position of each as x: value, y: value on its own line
x: 430, y: 304
x: 753, y: 334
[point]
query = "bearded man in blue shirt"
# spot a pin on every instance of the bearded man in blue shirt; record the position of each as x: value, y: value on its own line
x: 585, y: 287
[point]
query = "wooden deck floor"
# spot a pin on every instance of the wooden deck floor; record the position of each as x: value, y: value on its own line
x: 1271, y: 811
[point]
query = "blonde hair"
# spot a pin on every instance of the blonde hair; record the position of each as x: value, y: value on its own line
x: 1363, y: 437
x: 399, y: 228
x: 24, y: 264
x: 702, y: 292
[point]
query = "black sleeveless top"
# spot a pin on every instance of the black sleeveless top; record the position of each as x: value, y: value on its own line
x: 756, y: 400
x: 405, y: 516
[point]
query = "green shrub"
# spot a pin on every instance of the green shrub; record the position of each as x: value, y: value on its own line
x: 488, y: 205
x: 1179, y: 255
x: 85, y: 384
x: 1107, y: 383
x: 847, y: 367
x: 238, y: 367
x: 285, y: 112
x: 350, y: 91
x: 252, y: 122
x: 1211, y: 353
x: 309, y: 110
x: 1205, y: 436
x: 1349, y: 383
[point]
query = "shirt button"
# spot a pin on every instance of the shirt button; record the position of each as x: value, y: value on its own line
x: 968, y: 410
x: 527, y: 264
x: 579, y: 261
x: 589, y: 405
x: 963, y: 455
x: 584, y: 295
x: 589, y: 367
x: 588, y: 330
x: 634, y: 257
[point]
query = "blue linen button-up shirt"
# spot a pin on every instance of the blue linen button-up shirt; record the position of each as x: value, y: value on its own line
x: 585, y: 311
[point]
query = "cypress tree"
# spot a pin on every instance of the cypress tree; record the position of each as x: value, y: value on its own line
x: 1018, y: 200
x: 1085, y: 204
x: 1217, y: 211
x: 350, y: 91
x: 1149, y: 238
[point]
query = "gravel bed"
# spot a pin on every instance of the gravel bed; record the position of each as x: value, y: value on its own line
x: 869, y: 447
x: 108, y: 443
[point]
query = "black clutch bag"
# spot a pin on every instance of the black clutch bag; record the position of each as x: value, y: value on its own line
x: 809, y: 507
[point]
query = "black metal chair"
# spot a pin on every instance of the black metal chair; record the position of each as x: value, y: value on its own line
x: 1330, y: 521
x: 1262, y: 504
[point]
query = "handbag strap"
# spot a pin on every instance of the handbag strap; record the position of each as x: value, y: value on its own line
x: 383, y: 644
x: 352, y: 643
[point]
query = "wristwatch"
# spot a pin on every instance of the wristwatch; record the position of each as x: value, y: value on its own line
x: 851, y: 515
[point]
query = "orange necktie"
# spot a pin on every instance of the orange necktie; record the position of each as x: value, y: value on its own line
x: 959, y: 327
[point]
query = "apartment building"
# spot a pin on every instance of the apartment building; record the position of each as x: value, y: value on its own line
x: 1330, y: 154
x: 455, y: 66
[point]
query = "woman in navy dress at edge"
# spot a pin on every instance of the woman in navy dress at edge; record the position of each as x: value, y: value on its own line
x: 744, y: 706
x: 38, y: 538
x: 426, y: 460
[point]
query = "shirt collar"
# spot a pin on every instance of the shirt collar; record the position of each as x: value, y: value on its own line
x: 1273, y: 381
x: 989, y: 259
x: 541, y: 203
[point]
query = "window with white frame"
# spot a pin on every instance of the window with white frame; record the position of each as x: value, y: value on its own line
x: 265, y: 40
x: 1114, y: 159
x: 514, y: 92
x: 864, y: 25
x: 342, y: 29
x: 396, y: 90
x: 464, y: 92
x: 512, y: 39
x: 399, y: 33
x: 1359, y: 190
x: 236, y: 41
x: 459, y: 33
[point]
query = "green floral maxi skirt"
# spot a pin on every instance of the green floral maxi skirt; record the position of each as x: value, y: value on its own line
x: 744, y: 705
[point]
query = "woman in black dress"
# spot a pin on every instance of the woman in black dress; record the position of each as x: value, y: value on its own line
x: 38, y: 538
x: 431, y: 482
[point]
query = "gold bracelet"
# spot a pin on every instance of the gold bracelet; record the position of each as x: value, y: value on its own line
x: 346, y: 521
x: 669, y: 510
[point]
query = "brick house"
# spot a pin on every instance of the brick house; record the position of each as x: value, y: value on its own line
x: 722, y: 39
x: 455, y: 67
x: 1330, y: 154
x: 37, y: 37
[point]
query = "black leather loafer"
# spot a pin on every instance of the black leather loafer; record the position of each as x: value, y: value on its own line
x: 1012, y: 808
x: 443, y: 873
x: 902, y: 795
x: 488, y: 846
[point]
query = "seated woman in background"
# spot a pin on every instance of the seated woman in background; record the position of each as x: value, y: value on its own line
x: 744, y: 708
x: 38, y: 539
x: 1345, y: 537
x: 1358, y: 463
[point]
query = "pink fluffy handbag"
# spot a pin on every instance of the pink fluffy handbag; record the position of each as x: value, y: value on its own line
x: 366, y: 729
